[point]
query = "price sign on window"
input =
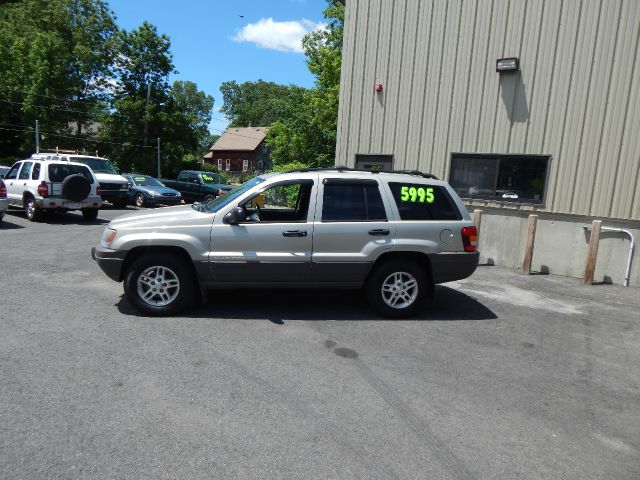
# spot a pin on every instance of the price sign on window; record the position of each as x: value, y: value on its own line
x: 416, y: 194
x: 208, y: 178
x: 139, y: 179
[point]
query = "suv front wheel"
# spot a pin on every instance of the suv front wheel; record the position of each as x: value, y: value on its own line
x: 157, y: 284
x: 398, y: 288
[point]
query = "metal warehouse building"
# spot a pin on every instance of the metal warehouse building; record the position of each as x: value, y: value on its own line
x: 524, y: 106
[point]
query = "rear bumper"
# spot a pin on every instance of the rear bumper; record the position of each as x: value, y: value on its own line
x: 58, y: 202
x: 447, y: 267
x: 110, y: 261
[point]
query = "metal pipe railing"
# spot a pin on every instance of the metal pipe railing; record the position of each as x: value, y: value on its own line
x: 627, y: 275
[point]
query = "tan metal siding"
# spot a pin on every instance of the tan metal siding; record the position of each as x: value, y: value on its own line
x: 575, y: 98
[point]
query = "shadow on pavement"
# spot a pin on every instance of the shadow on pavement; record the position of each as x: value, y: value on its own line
x: 4, y: 225
x: 278, y: 305
x: 62, y: 218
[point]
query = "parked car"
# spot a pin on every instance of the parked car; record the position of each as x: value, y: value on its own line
x: 4, y: 202
x: 396, y: 234
x: 41, y: 186
x: 115, y: 188
x: 198, y: 186
x: 145, y: 191
x: 3, y: 170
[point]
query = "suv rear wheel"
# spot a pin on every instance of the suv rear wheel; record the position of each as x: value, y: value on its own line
x: 398, y: 288
x: 31, y: 210
x: 158, y: 284
x: 89, y: 214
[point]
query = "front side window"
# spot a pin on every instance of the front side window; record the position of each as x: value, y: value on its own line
x: 417, y: 201
x: 13, y: 173
x: 512, y: 178
x: 286, y: 202
x: 352, y: 201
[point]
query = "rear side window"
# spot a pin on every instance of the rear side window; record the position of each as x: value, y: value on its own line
x: 352, y: 201
x: 423, y: 202
x: 59, y: 171
x: 25, y: 173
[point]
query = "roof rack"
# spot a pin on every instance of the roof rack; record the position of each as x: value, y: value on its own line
x: 342, y: 168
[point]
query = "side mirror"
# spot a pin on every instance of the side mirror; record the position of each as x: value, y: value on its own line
x: 235, y: 216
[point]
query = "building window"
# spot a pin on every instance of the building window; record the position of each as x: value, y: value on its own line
x: 219, y: 164
x: 228, y: 164
x: 374, y: 162
x: 245, y: 165
x: 511, y: 178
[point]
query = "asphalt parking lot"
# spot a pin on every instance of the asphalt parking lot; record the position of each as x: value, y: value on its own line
x: 504, y: 377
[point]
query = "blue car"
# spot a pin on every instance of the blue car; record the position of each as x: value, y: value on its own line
x: 146, y: 191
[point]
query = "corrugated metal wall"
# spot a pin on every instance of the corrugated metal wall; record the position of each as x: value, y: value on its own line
x: 576, y: 98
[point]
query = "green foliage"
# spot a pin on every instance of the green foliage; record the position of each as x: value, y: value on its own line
x: 66, y: 63
x: 310, y: 135
x: 259, y: 104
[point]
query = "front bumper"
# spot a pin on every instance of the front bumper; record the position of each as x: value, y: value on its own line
x: 115, y: 195
x: 163, y: 200
x: 110, y: 261
x: 450, y: 266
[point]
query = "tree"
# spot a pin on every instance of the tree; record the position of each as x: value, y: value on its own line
x: 259, y: 104
x: 55, y: 74
x: 312, y: 137
x: 143, y: 65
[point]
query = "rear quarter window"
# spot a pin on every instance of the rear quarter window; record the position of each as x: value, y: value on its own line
x: 417, y: 201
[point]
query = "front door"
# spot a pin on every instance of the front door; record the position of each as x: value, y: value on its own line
x: 273, y: 242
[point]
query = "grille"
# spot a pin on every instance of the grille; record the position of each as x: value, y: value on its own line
x: 111, y: 186
x: 168, y: 194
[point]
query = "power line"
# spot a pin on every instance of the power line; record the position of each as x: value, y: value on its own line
x: 89, y: 139
x: 45, y: 107
x: 27, y: 92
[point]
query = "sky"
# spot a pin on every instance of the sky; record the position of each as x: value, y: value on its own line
x: 214, y: 41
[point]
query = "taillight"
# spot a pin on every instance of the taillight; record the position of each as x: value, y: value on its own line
x: 43, y: 189
x: 99, y: 190
x: 470, y: 239
x: 3, y: 190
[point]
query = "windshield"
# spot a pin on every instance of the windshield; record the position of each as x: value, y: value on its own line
x: 144, y: 181
x: 212, y: 178
x: 98, y: 165
x: 219, y: 202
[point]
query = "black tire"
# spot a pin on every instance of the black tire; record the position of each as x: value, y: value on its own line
x: 402, y: 282
x: 76, y: 188
x: 31, y: 210
x: 147, y: 269
x: 139, y: 200
x: 90, y: 214
x: 208, y: 197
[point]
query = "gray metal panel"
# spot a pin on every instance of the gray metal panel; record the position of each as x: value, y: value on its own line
x: 575, y: 98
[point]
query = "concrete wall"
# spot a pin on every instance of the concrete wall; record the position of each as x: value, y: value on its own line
x: 560, y: 246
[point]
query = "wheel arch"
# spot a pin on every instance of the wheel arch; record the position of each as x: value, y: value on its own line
x: 417, y: 257
x: 137, y: 252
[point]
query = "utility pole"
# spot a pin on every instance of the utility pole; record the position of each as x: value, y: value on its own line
x: 37, y: 137
x: 158, y: 157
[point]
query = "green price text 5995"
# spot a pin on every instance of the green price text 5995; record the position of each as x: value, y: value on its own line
x: 413, y: 194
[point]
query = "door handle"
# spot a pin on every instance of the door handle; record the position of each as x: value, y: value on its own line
x: 294, y: 233
x: 379, y: 232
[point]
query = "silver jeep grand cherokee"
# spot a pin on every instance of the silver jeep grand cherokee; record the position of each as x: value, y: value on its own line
x: 396, y: 234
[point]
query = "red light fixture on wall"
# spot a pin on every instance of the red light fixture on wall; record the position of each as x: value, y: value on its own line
x: 378, y: 87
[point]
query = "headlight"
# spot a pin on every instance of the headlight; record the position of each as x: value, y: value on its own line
x: 153, y: 194
x: 108, y: 236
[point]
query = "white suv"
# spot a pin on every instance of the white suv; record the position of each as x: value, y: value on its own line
x: 39, y: 185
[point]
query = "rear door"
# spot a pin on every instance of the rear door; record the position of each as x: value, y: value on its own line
x: 352, y: 228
